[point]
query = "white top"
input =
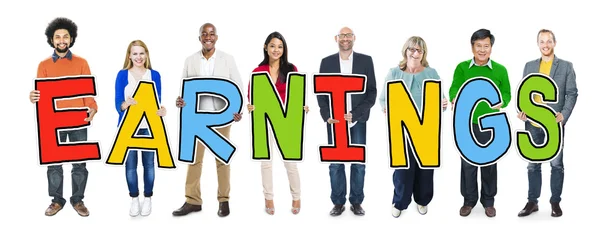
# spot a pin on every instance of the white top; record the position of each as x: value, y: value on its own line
x: 207, y: 68
x: 130, y: 88
x: 346, y: 68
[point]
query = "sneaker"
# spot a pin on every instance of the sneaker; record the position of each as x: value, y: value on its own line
x: 147, y: 207
x: 395, y: 212
x: 135, y: 207
x: 422, y: 209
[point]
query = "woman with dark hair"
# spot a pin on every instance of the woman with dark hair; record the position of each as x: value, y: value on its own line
x: 275, y: 62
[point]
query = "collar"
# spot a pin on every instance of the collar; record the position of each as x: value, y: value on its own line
x: 211, y: 57
x: 350, y: 57
x: 554, y: 59
x: 55, y: 56
x: 489, y: 63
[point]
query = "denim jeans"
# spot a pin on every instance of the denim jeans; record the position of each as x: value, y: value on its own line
x: 337, y: 171
x: 131, y: 169
x: 534, y: 170
x: 79, y: 173
x: 468, y: 177
x: 410, y: 182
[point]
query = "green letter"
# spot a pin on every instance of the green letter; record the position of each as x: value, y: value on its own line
x: 539, y: 114
x: 287, y: 124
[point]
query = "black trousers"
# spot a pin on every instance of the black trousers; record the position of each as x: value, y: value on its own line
x: 468, y: 177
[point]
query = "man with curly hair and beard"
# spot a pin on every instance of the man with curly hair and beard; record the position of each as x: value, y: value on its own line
x: 61, y: 34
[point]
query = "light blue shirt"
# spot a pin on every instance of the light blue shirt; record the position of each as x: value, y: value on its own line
x: 413, y: 82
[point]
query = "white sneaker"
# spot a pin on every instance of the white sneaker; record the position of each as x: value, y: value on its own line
x: 395, y: 212
x: 135, y: 207
x: 147, y: 207
x: 422, y: 209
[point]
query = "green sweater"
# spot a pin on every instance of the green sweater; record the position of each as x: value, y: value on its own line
x: 497, y: 74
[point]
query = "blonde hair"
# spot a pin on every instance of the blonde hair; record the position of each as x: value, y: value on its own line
x: 128, y: 64
x: 411, y: 42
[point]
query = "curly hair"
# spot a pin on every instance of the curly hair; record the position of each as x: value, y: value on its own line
x: 61, y: 23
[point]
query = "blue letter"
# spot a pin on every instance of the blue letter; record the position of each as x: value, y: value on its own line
x: 199, y: 125
x: 474, y: 91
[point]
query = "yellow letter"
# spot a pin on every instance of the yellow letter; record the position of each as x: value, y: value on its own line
x: 146, y: 107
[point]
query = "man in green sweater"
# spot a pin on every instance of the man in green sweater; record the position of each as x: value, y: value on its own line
x: 480, y: 66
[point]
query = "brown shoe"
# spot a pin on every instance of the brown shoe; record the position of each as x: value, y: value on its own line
x: 490, y: 211
x: 530, y: 207
x: 223, y: 209
x: 53, y: 209
x: 186, y: 209
x: 81, y: 209
x: 465, y: 210
x: 556, y: 210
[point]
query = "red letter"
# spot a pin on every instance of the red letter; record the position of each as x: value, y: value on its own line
x: 337, y: 87
x: 51, y: 120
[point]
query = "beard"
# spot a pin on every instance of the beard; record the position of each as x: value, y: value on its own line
x: 59, y: 50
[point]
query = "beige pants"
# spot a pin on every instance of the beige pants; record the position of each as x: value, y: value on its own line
x: 267, y: 173
x: 192, y: 183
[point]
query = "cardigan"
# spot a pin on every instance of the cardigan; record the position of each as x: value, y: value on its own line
x: 121, y: 83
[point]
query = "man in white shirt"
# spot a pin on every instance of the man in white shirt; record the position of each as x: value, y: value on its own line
x: 208, y: 62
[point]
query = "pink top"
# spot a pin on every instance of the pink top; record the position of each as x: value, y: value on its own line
x: 281, y: 87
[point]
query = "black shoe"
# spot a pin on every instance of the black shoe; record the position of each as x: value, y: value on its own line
x: 337, y: 210
x: 530, y: 207
x: 556, y: 211
x: 186, y: 209
x: 357, y: 209
x: 223, y: 209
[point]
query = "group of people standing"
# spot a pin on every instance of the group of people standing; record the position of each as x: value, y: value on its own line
x: 413, y: 69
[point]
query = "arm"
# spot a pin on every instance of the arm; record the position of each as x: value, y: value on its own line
x: 323, y: 100
x: 120, y: 84
x: 371, y: 94
x: 88, y: 101
x: 158, y: 87
x: 437, y: 77
x: 505, y: 88
x: 251, y: 77
x: 383, y: 95
x: 235, y: 75
x: 41, y: 72
x: 570, y: 94
x: 457, y: 81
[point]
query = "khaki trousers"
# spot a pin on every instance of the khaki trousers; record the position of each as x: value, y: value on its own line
x: 267, y: 173
x: 192, y: 183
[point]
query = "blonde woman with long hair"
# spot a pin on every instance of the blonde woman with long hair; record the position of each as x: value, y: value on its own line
x: 136, y: 68
x: 414, y: 181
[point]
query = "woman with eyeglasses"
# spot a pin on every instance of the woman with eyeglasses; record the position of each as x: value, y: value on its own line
x: 275, y: 62
x: 137, y: 68
x: 414, y: 181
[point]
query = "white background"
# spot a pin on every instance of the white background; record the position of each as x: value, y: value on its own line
x: 170, y: 29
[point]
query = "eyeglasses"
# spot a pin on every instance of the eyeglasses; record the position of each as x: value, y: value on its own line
x: 346, y: 35
x: 412, y: 50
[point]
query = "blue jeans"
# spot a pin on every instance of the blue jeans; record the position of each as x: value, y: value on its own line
x: 131, y: 169
x: 79, y: 173
x: 337, y: 171
x: 534, y: 170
